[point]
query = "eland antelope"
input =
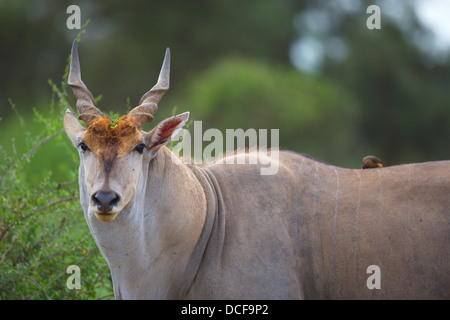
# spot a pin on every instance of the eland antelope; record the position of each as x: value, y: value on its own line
x: 171, y: 230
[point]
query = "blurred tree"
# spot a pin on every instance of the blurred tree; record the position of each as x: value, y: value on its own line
x: 406, y: 106
x: 402, y: 91
x: 125, y: 42
x: 31, y: 51
x: 314, y: 115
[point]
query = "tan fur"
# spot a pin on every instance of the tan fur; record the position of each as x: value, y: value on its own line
x: 223, y: 231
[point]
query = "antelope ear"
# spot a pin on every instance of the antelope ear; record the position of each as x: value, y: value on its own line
x: 73, y: 128
x: 165, y: 130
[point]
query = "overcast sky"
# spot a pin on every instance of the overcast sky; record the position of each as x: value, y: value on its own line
x: 435, y: 14
x: 307, y: 52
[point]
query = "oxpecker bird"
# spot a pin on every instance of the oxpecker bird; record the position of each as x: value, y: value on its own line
x: 371, y: 162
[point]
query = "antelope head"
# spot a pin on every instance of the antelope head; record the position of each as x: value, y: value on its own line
x: 113, y: 153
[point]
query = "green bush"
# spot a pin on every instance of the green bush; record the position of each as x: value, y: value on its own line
x: 42, y: 226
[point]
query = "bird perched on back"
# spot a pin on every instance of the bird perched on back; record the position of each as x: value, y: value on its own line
x: 371, y: 162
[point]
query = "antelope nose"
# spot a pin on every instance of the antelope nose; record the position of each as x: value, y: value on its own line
x: 105, y: 200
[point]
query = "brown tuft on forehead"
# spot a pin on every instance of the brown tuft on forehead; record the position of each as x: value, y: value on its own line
x: 106, y: 129
x: 112, y: 138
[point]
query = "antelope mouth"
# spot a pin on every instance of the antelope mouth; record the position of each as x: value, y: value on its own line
x: 105, y: 217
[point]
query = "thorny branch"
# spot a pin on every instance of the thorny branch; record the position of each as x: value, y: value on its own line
x: 56, y: 278
x: 67, y: 199
x: 28, y: 154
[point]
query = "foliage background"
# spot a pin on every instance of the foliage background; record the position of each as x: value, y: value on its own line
x: 235, y: 64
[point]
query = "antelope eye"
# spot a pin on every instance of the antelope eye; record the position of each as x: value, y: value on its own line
x: 83, y: 146
x: 140, y: 148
